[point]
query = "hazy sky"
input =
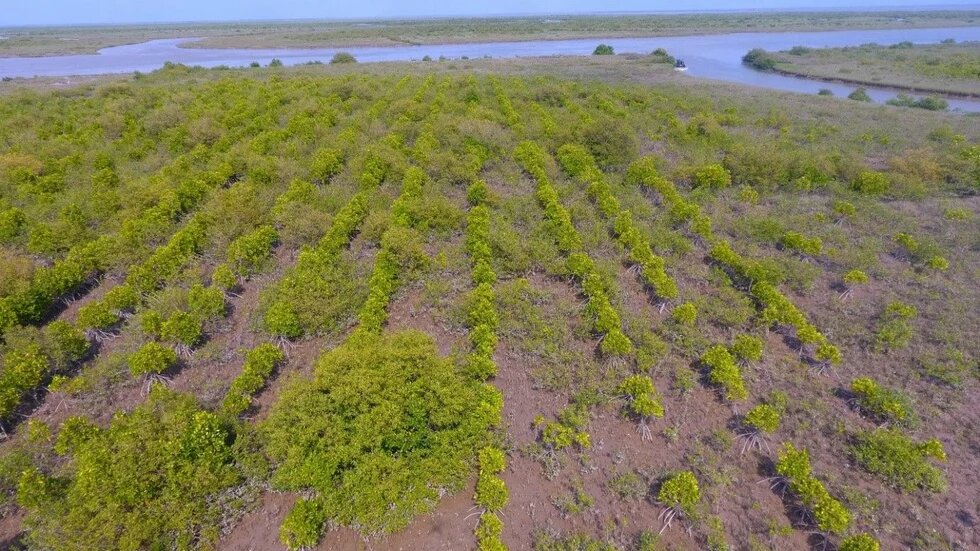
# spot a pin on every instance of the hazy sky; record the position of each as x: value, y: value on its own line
x: 40, y: 12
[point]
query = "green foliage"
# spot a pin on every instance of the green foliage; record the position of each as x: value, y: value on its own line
x: 763, y: 418
x: 603, y: 49
x: 206, y: 303
x: 642, y: 398
x: 723, y: 371
x: 680, y: 491
x: 859, y: 542
x: 829, y: 514
x: 569, y: 430
x: 152, y: 479
x: 900, y: 461
x: 747, y: 348
x: 379, y: 405
x: 870, y: 182
x: 894, y: 331
x: 259, y: 364
x: 855, y: 277
x: 488, y: 533
x: 685, y: 314
x: 759, y: 59
x: 248, y: 253
x: 342, y: 58
x: 181, y: 328
x: 712, y: 176
x: 151, y: 358
x: 859, y: 94
x: 97, y: 315
x: 930, y: 103
x: 303, y: 526
x: 882, y: 404
x: 795, y: 241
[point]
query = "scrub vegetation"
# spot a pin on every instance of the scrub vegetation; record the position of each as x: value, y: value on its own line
x: 551, y: 304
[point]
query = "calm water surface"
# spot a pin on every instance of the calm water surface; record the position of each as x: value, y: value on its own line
x: 707, y: 56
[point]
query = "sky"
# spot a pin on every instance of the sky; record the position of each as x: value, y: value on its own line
x: 48, y: 12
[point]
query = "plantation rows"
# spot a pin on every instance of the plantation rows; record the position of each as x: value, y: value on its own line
x: 273, y: 224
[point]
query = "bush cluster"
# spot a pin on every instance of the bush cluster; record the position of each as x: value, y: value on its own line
x: 724, y: 372
x: 642, y: 399
x: 259, y: 364
x: 154, y: 477
x: 794, y: 465
x: 882, y: 404
x: 31, y: 356
x: 777, y: 308
x: 899, y: 460
x: 401, y: 253
x: 379, y: 404
x: 605, y: 318
x: 579, y: 163
x: 643, y: 171
x: 797, y: 242
x: 680, y: 491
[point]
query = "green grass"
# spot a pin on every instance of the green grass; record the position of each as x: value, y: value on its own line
x: 950, y: 68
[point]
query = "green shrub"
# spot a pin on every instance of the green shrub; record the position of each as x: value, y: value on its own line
x: 603, y: 49
x: 724, y: 372
x: 685, y: 314
x: 154, y: 477
x: 870, y: 182
x: 712, y: 176
x: 642, y: 398
x: 859, y: 542
x: 151, y: 358
x: 680, y: 491
x: 759, y: 59
x: 248, y: 253
x: 894, y: 331
x: 259, y: 364
x: 394, y: 426
x: 747, y: 348
x: 882, y: 404
x: 488, y: 533
x: 763, y: 418
x: 829, y: 514
x: 342, y: 58
x: 898, y: 460
x: 491, y: 492
x: 795, y: 241
x: 859, y: 94
x: 303, y: 525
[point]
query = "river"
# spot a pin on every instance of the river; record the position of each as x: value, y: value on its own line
x: 715, y: 56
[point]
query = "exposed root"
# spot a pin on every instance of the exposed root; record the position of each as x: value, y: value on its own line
x: 646, y: 435
x: 754, y: 440
x: 154, y: 378
x: 848, y: 293
x: 777, y: 484
x: 667, y: 517
x: 99, y: 335
x: 183, y: 350
x: 283, y: 343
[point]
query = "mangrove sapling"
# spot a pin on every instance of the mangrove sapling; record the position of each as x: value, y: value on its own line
x: 642, y: 402
x: 850, y: 280
x: 679, y: 495
x: 758, y: 423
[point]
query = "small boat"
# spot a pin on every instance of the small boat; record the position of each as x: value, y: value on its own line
x: 679, y: 65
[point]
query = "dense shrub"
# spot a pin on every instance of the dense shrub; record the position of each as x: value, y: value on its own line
x: 759, y: 59
x: 379, y: 405
x: 342, y: 58
x: 794, y: 466
x: 712, y: 176
x: 900, y: 461
x: 859, y: 94
x: 882, y: 404
x: 603, y: 49
x: 153, y: 478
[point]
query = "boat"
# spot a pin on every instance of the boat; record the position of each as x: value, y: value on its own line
x: 680, y: 66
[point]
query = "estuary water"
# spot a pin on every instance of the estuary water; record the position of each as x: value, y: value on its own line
x: 716, y: 56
